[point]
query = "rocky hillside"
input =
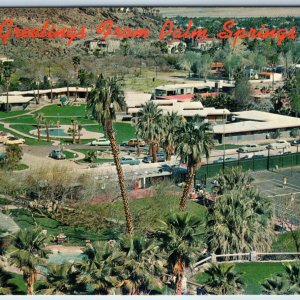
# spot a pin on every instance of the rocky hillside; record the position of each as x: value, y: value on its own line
x: 65, y: 18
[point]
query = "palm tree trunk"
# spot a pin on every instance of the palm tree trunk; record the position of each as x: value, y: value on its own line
x: 187, y: 188
x: 47, y: 132
x: 39, y: 131
x: 138, y: 150
x: 74, y: 134
x: 30, y: 279
x: 115, y: 152
x: 78, y: 141
x: 154, y: 152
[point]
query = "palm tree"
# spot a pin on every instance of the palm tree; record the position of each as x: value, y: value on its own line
x: 180, y: 239
x: 79, y: 128
x: 76, y: 62
x: 292, y: 274
x: 61, y: 280
x: 102, y: 270
x: 223, y: 280
x: 7, y: 72
x: 194, y: 140
x: 91, y: 156
x: 239, y: 221
x: 74, y: 130
x: 47, y: 129
x: 150, y: 126
x: 6, y: 288
x: 143, y: 265
x: 39, y: 117
x: 172, y: 122
x: 232, y: 178
x: 278, y: 286
x: 105, y: 99
x: 28, y: 253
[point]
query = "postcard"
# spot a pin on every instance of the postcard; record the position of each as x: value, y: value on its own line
x: 150, y: 151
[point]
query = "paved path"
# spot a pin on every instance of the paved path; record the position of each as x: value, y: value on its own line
x: 8, y: 224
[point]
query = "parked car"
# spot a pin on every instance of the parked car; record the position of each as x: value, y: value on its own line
x: 134, y: 142
x: 160, y: 157
x: 228, y: 159
x: 295, y: 143
x: 129, y: 161
x: 253, y: 156
x: 11, y: 140
x: 279, y: 144
x: 250, y: 148
x: 3, y: 138
x: 100, y: 142
x: 124, y: 143
x: 57, y: 154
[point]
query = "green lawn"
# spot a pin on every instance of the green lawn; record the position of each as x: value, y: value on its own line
x: 70, y: 154
x: 77, y: 234
x: 228, y: 146
x: 285, y: 243
x: 254, y: 275
x: 4, y: 115
x: 68, y: 110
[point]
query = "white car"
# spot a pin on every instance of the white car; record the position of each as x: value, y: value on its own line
x: 100, y: 142
x: 250, y: 148
x: 279, y: 144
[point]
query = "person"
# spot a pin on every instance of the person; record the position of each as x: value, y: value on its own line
x: 284, y: 181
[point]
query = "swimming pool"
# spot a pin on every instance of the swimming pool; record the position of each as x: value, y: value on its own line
x: 55, y: 132
x: 60, y: 258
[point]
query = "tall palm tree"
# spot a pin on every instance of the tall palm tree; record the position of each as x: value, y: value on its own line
x: 223, y: 280
x: 143, y: 265
x: 239, y: 221
x: 39, y: 117
x: 102, y: 270
x: 47, y: 124
x: 150, y: 126
x: 194, y: 140
x: 171, y: 123
x: 74, y: 130
x: 28, y: 253
x: 232, y: 178
x: 76, y: 62
x: 61, y: 280
x: 79, y: 129
x: 105, y: 99
x: 180, y: 238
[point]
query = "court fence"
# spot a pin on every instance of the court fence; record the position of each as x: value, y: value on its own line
x: 256, y: 162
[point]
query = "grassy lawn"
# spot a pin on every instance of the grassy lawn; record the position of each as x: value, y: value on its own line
x: 28, y: 119
x: 254, y: 275
x: 77, y: 235
x: 285, y: 243
x: 68, y: 110
x: 4, y: 115
x: 69, y: 154
x: 146, y: 212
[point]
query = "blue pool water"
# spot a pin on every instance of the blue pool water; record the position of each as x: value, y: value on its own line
x: 60, y: 258
x: 55, y: 132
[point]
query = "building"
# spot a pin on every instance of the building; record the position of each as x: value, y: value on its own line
x: 4, y: 59
x: 101, y: 45
x: 269, y: 76
x: 201, y: 44
x: 194, y: 87
x: 174, y: 46
x: 247, y: 126
x: 14, y: 102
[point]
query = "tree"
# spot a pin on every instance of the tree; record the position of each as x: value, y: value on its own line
x: 79, y: 129
x: 6, y: 288
x: 150, y: 126
x: 76, y: 62
x: 278, y: 286
x: 102, y: 270
x: 92, y: 156
x: 28, y: 253
x: 241, y: 220
x: 47, y: 124
x: 105, y: 99
x: 194, y: 140
x: 7, y: 71
x: 180, y: 239
x: 61, y: 280
x: 223, y: 280
x: 143, y: 265
x: 74, y: 130
x: 13, y: 155
x: 202, y: 66
x: 39, y: 117
x: 171, y: 123
x: 242, y: 93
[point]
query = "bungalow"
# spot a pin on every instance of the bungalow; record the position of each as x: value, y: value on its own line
x: 269, y: 76
x: 101, y: 45
x: 201, y: 44
x: 176, y: 46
